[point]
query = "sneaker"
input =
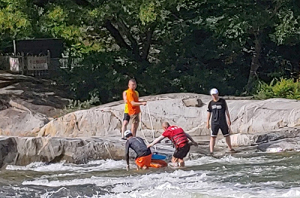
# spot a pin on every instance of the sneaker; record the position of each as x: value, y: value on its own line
x: 123, y: 138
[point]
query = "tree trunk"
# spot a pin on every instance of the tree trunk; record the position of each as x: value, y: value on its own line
x: 255, y: 64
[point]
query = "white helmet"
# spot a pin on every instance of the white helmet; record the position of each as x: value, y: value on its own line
x: 127, y: 133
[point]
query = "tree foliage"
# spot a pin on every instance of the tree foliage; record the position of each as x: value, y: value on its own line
x: 167, y: 45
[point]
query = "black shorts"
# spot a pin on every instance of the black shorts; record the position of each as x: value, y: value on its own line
x: 215, y: 129
x: 126, y: 117
x: 182, y: 152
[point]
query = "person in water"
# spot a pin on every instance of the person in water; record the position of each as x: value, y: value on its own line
x: 133, y: 105
x: 217, y: 112
x: 180, y: 140
x: 143, y: 154
x: 126, y: 117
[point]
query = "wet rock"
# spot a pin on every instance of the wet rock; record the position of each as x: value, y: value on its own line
x: 278, y: 135
x: 8, y: 150
x: 288, y: 144
x: 279, y: 141
x: 25, y: 150
x: 240, y: 140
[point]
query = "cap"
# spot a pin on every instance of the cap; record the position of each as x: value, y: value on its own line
x: 127, y: 133
x: 214, y: 91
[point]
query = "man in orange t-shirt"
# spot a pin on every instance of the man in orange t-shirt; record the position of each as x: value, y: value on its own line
x: 133, y: 105
x: 126, y: 117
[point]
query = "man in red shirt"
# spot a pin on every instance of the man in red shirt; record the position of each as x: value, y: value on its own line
x: 133, y: 105
x: 180, y: 141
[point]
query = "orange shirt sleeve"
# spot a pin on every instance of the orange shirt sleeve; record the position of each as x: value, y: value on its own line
x: 130, y: 97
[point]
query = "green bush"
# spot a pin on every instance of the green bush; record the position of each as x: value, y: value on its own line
x: 283, y: 88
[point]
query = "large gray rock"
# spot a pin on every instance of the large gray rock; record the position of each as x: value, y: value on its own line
x: 27, y: 104
x: 106, y: 121
x: 248, y: 117
x: 264, y: 115
x: 25, y: 150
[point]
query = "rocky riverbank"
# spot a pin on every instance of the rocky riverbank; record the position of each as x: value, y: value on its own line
x: 32, y: 129
x: 24, y: 150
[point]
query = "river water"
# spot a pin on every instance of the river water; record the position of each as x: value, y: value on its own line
x: 261, y: 175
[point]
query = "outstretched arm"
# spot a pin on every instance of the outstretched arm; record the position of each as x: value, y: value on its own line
x: 156, y: 140
x: 127, y: 155
x: 138, y: 103
x: 190, y: 138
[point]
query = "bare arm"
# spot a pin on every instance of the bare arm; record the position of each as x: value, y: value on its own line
x: 127, y: 154
x: 228, y: 116
x: 124, y: 97
x: 138, y: 103
x: 190, y: 138
x: 156, y: 140
x: 208, y: 118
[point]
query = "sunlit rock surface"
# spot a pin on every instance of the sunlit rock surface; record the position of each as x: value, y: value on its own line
x: 33, y: 129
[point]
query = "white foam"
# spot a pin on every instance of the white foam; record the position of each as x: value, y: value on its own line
x: 231, y: 160
x: 294, y: 192
x: 274, y: 150
x: 218, y: 179
x: 100, y: 165
x: 60, y: 175
x: 103, y: 181
x: 179, y: 183
x: 28, y: 167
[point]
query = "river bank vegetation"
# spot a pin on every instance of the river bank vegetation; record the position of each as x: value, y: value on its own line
x: 240, y: 47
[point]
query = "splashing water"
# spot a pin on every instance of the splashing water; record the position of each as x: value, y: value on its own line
x: 268, y: 175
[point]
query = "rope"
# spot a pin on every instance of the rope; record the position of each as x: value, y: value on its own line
x: 151, y: 124
x: 152, y: 130
x: 143, y: 132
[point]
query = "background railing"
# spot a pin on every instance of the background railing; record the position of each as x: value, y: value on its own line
x: 41, y: 65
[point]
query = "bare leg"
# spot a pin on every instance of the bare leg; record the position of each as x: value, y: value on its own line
x: 124, y: 127
x: 174, y: 161
x: 177, y: 162
x: 212, y: 144
x: 134, y: 128
x: 181, y: 162
x: 135, y: 123
x: 228, y: 141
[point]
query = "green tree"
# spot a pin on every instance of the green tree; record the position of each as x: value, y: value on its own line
x: 14, y: 21
x: 168, y: 46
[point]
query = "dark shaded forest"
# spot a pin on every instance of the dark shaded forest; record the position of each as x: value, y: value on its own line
x: 166, y: 45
